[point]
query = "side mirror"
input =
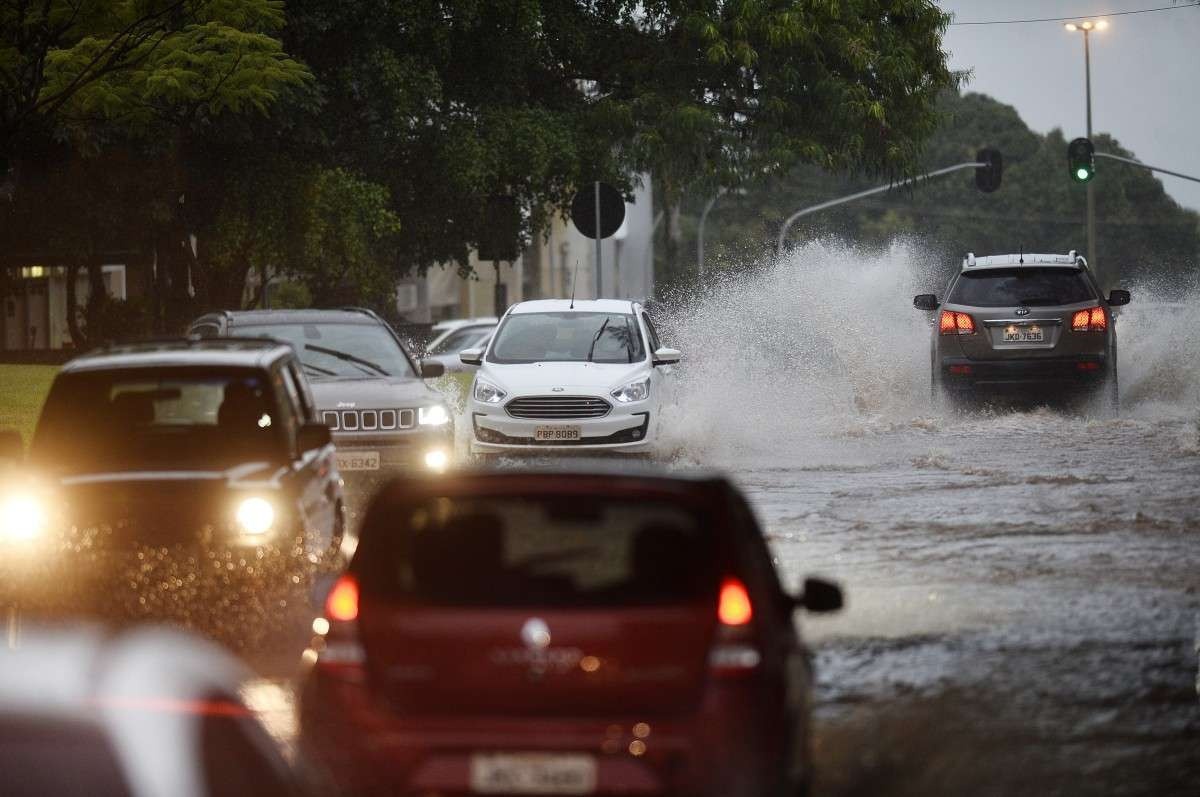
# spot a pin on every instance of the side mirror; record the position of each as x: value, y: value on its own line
x: 1118, y: 297
x: 313, y: 436
x: 925, y: 301
x: 471, y: 356
x: 12, y: 449
x: 820, y: 596
x: 430, y: 369
x: 665, y: 356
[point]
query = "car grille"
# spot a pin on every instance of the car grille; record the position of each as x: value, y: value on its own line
x: 369, y: 420
x: 558, y: 408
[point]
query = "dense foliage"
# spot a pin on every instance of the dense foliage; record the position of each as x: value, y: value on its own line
x: 343, y: 143
x: 1142, y: 233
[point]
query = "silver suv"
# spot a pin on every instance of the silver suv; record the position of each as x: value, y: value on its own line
x: 1024, y: 326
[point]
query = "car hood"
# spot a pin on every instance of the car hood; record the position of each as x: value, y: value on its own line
x: 531, y: 378
x: 371, y: 394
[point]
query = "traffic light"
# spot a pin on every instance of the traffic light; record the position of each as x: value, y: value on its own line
x: 987, y: 176
x: 1081, y: 160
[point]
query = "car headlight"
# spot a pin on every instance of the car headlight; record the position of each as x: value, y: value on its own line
x: 634, y: 391
x: 255, y: 515
x: 435, y: 415
x: 22, y: 517
x: 488, y: 393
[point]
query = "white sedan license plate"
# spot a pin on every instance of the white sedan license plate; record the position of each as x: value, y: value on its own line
x: 358, y: 460
x: 556, y: 433
x: 533, y: 773
x: 1023, y: 335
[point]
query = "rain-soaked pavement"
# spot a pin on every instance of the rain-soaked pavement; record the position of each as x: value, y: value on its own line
x: 1023, y: 584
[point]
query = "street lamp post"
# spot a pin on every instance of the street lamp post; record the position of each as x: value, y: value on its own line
x: 1087, y: 26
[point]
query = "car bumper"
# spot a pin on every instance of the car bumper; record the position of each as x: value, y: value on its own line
x: 722, y: 748
x: 622, y: 430
x: 364, y: 458
x: 1060, y: 373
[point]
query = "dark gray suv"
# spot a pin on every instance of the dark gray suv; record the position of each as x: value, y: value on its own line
x: 368, y: 389
x: 1024, y: 326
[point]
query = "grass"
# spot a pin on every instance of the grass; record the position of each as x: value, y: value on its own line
x: 23, y: 388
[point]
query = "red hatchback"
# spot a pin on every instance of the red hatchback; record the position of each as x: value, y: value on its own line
x: 580, y: 633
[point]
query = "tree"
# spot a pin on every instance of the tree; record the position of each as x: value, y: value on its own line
x: 449, y: 103
x: 1037, y: 208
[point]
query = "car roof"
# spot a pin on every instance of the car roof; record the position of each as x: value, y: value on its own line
x: 1031, y: 260
x: 345, y: 315
x: 184, y: 352
x: 577, y: 305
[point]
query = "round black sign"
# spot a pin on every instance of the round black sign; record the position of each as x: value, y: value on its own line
x: 612, y: 210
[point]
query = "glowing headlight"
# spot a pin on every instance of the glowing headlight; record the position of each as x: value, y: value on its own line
x: 437, y: 459
x: 488, y: 393
x: 433, y: 416
x: 634, y: 391
x: 21, y: 517
x: 255, y: 515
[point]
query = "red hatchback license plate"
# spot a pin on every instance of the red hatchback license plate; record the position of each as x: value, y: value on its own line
x: 533, y: 773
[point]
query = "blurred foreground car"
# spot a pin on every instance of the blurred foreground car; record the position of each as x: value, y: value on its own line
x: 368, y: 390
x: 160, y: 469
x: 562, y: 633
x: 587, y: 376
x: 1024, y: 326
x: 146, y: 713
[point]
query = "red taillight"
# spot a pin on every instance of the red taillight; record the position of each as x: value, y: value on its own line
x: 342, y: 603
x: 961, y: 370
x: 733, y: 607
x: 1090, y: 320
x: 953, y: 323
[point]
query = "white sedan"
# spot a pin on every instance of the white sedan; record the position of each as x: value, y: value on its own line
x: 586, y: 375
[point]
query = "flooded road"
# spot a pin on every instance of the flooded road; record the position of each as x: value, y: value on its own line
x: 1023, y: 584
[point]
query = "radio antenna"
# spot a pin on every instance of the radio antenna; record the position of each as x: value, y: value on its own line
x: 574, y: 282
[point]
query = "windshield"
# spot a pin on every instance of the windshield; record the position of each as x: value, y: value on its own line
x: 541, y: 551
x: 568, y: 337
x: 460, y: 339
x: 1011, y: 287
x: 339, y: 351
x: 167, y: 420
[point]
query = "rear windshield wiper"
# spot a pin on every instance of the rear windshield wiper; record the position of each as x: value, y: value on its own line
x: 350, y: 358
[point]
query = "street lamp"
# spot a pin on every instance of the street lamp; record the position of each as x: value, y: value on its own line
x: 1087, y: 26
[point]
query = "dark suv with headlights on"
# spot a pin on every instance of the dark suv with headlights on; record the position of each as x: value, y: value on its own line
x: 368, y: 390
x: 1024, y: 326
x: 604, y: 631
x: 160, y: 471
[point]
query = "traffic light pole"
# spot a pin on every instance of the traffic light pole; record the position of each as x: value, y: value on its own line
x: 787, y: 225
x: 1091, y: 197
x: 1132, y: 162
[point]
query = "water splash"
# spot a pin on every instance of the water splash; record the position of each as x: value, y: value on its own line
x: 825, y: 342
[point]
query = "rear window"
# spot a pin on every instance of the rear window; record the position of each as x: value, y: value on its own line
x: 568, y: 551
x: 1010, y: 287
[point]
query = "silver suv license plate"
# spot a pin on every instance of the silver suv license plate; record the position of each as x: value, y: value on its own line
x: 556, y: 433
x: 533, y: 773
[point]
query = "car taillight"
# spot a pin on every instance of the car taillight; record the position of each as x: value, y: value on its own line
x: 342, y: 603
x: 735, y: 650
x: 1090, y: 320
x: 335, y: 636
x: 955, y: 323
x: 733, y: 606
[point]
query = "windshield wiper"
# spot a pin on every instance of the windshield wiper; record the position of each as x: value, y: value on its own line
x: 318, y: 369
x: 350, y: 358
x: 596, y: 338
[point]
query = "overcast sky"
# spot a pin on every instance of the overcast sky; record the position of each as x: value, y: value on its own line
x: 1145, y: 75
